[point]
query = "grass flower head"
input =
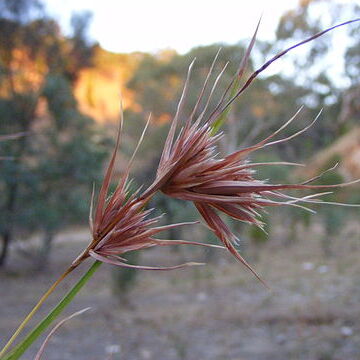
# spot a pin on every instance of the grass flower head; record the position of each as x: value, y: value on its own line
x: 190, y: 168
x: 121, y: 223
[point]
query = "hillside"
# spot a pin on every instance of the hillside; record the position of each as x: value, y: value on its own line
x: 346, y: 151
x: 98, y: 88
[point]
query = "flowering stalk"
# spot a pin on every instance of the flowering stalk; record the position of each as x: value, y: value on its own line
x: 19, y: 350
x: 34, y: 310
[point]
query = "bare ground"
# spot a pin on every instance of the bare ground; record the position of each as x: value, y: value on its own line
x: 218, y: 311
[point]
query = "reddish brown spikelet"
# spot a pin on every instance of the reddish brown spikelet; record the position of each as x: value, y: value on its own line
x: 121, y: 224
x: 190, y: 169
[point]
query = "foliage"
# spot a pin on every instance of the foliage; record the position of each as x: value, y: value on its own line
x: 312, y: 69
x: 56, y: 162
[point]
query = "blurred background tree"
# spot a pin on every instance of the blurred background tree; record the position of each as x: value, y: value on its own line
x: 46, y: 187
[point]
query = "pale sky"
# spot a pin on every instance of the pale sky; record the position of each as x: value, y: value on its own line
x: 144, y: 25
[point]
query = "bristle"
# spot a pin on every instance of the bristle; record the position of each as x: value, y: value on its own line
x: 106, y: 182
x: 91, y: 217
x: 237, y: 76
x: 55, y: 328
x: 216, y: 82
x: 297, y: 133
x: 317, y: 177
x: 278, y: 56
x: 115, y: 261
x: 171, y: 134
x: 246, y: 57
x: 203, y: 89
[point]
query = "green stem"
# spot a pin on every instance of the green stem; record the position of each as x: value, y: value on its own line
x: 218, y: 123
x: 19, y: 349
x: 34, y: 310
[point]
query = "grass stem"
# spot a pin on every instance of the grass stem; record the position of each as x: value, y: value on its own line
x: 35, y: 309
x: 20, y: 348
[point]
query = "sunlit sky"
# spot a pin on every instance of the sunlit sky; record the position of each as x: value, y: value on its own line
x: 142, y: 25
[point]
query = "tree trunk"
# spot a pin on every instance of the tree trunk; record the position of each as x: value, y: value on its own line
x: 12, y: 192
x: 7, y: 233
x: 4, y: 249
x: 124, y: 279
x: 45, y: 250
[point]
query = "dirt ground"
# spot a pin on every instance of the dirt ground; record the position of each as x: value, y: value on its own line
x: 218, y: 311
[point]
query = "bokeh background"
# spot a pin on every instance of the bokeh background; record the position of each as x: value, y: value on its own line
x: 63, y: 69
